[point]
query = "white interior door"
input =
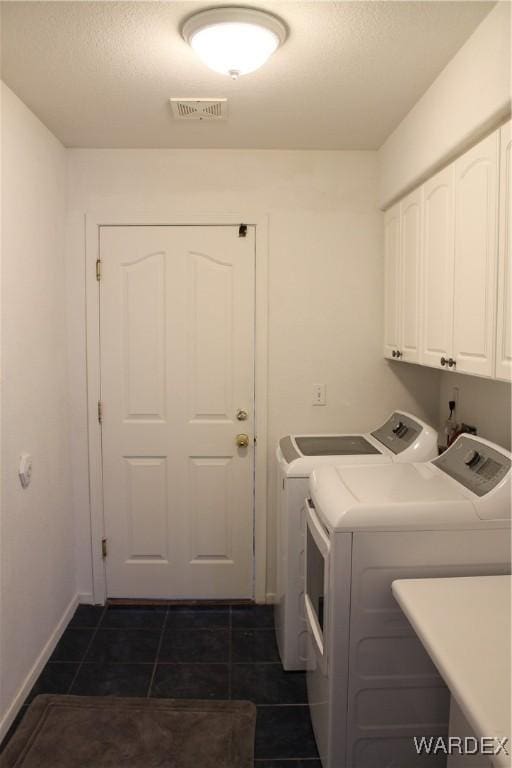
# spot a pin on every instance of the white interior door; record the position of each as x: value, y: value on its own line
x: 438, y: 256
x: 177, y: 363
x: 476, y: 222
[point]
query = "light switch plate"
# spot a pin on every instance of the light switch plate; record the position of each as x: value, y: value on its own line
x: 319, y: 395
x: 25, y: 469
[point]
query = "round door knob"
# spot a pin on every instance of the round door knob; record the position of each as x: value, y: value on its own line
x: 242, y: 440
x: 444, y: 361
x: 393, y: 354
x: 398, y: 353
x: 241, y: 415
x: 452, y: 363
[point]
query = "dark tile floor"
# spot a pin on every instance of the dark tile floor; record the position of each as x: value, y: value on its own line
x: 203, y: 652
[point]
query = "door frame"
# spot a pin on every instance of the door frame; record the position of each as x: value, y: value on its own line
x: 93, y: 222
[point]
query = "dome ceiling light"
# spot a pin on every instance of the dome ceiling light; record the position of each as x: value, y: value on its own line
x: 234, y: 41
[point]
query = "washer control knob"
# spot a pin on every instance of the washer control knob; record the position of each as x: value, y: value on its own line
x: 471, y: 458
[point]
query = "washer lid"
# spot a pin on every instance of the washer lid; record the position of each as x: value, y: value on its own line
x: 397, y: 483
x: 392, y: 496
x: 335, y: 445
x: 357, y: 449
x: 402, y: 438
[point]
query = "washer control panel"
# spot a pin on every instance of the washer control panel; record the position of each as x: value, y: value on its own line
x: 475, y: 465
x: 398, y: 432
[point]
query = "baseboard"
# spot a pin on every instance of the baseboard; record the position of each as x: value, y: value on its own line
x: 271, y: 597
x: 37, y: 668
x: 86, y: 598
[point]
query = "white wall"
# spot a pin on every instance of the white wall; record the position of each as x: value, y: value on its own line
x: 482, y: 403
x: 469, y: 97
x: 38, y: 583
x: 325, y: 282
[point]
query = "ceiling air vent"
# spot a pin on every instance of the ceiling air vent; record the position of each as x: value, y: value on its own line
x: 199, y: 109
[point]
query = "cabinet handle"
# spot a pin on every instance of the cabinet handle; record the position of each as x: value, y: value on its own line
x: 393, y: 354
x: 444, y: 361
x: 398, y: 353
x: 452, y: 363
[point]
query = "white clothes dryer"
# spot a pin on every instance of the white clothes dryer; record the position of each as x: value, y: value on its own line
x: 402, y: 437
x: 371, y: 685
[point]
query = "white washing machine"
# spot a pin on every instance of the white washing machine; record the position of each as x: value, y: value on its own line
x: 371, y: 685
x: 401, y: 438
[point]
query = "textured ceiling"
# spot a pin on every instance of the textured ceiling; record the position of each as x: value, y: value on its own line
x: 99, y: 74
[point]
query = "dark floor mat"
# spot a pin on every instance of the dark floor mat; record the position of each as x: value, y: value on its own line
x: 92, y: 732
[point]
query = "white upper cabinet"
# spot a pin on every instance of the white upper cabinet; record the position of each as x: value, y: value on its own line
x: 437, y: 272
x: 410, y: 269
x: 392, y: 281
x: 476, y: 220
x: 402, y: 254
x: 504, y: 335
x: 448, y: 292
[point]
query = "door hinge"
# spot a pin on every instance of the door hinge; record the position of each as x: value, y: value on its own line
x: 100, y: 411
x: 104, y: 548
x: 242, y: 230
x: 98, y: 269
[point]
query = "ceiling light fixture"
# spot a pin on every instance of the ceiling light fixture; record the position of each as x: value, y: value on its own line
x: 234, y: 41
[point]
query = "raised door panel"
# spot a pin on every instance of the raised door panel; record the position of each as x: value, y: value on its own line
x: 143, y: 337
x: 410, y: 259
x: 211, y: 510
x: 146, y: 510
x: 504, y: 327
x: 474, y: 323
x: 392, y: 281
x: 437, y: 271
x: 211, y: 326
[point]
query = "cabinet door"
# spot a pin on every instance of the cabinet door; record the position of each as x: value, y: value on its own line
x: 410, y: 261
x: 437, y: 272
x: 504, y: 335
x: 474, y: 321
x: 392, y: 280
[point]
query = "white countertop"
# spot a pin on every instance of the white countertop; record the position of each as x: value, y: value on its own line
x: 464, y: 624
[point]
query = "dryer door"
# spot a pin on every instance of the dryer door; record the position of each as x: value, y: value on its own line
x: 318, y: 547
